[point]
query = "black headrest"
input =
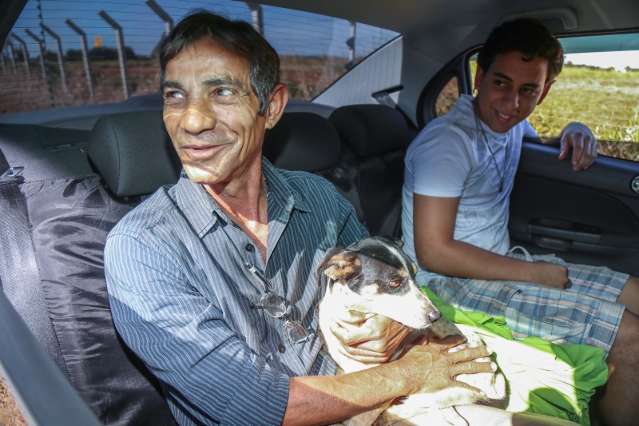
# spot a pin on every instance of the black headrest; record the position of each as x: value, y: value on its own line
x: 371, y: 130
x: 302, y: 141
x: 133, y: 153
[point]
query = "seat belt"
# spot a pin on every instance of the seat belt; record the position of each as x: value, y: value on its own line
x: 384, y: 96
x: 392, y: 225
x: 19, y: 277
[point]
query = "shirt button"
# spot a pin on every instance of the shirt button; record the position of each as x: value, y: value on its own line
x: 249, y: 247
x: 281, y: 348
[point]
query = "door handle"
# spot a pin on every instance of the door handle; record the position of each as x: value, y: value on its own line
x: 564, y: 234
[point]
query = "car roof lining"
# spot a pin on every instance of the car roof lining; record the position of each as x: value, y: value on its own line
x: 9, y: 12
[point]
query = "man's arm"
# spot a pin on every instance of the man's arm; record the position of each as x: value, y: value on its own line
x: 328, y: 399
x: 438, y: 251
x: 186, y: 343
x: 184, y: 340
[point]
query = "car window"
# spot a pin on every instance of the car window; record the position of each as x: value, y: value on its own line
x: 10, y: 414
x: 447, y: 96
x: 42, y: 64
x: 599, y: 86
x: 451, y: 90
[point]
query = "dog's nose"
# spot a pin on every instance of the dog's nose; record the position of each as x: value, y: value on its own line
x: 434, y: 316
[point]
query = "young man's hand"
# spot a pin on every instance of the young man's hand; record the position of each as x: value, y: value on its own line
x: 578, y: 138
x: 551, y: 275
x: 371, y: 340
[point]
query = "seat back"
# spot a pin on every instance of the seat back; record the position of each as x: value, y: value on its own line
x: 309, y: 142
x: 63, y: 223
x: 375, y: 139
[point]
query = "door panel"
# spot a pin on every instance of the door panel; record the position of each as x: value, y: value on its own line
x: 585, y: 217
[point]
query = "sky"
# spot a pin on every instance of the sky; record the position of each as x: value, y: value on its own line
x: 617, y: 59
x: 289, y: 31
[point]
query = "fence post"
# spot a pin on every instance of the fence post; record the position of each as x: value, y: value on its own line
x: 350, y: 42
x: 2, y: 64
x: 56, y: 37
x: 85, y: 55
x: 12, y: 58
x: 165, y: 17
x: 257, y: 17
x: 41, y: 48
x: 25, y: 54
x: 119, y: 39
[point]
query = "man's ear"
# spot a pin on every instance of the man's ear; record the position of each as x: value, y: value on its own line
x: 545, y: 91
x: 277, y: 103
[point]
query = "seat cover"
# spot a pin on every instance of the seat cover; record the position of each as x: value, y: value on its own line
x: 70, y: 219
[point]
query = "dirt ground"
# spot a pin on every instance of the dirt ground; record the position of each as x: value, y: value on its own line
x: 9, y: 413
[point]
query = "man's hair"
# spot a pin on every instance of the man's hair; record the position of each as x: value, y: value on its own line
x: 527, y: 36
x: 238, y: 37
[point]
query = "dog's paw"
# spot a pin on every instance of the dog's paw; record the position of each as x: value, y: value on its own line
x: 448, y: 397
x: 493, y: 386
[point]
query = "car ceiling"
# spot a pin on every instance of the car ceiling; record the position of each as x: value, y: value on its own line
x: 412, y: 16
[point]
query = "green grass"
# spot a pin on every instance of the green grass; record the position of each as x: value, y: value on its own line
x: 606, y: 100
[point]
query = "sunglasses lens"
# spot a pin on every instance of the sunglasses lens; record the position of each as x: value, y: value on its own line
x: 295, y: 331
x: 274, y: 305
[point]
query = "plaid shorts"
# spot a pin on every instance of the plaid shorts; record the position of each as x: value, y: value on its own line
x: 587, y: 312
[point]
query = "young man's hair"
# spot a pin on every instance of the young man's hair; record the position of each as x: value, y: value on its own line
x: 525, y: 35
x: 238, y: 37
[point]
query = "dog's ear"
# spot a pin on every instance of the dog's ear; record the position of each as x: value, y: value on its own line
x: 340, y: 265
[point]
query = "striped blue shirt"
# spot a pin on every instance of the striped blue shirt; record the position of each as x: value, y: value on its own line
x: 183, y: 300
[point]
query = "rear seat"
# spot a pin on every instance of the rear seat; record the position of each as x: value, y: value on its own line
x: 309, y: 142
x: 375, y: 139
x: 69, y: 219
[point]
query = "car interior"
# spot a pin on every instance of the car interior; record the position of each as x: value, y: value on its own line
x: 69, y: 175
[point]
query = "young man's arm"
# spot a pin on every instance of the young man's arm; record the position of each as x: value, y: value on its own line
x: 582, y: 141
x: 578, y: 138
x: 438, y: 251
x: 328, y: 399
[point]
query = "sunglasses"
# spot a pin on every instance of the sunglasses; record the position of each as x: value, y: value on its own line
x: 279, y: 308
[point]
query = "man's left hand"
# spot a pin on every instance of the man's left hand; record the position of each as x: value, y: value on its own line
x: 371, y: 340
x: 578, y: 138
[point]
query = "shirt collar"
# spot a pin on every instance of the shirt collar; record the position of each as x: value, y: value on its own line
x: 203, y: 212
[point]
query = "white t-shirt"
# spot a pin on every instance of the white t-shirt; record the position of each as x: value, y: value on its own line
x: 451, y: 158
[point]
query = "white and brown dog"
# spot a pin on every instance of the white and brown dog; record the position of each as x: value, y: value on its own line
x: 374, y: 277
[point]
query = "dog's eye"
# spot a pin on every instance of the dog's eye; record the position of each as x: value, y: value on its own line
x: 396, y: 282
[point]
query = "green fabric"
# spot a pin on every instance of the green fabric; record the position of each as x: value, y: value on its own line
x: 588, y: 362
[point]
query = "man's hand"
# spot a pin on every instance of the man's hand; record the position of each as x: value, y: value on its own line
x: 579, y: 138
x: 371, y: 340
x: 428, y: 367
x: 551, y: 275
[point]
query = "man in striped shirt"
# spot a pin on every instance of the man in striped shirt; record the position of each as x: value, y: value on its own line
x: 212, y: 281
